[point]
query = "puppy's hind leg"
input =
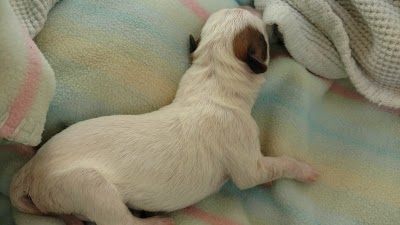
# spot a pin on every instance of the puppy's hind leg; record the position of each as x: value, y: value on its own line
x: 86, y: 192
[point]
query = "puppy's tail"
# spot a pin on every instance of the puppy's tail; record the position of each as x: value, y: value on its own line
x: 19, y: 189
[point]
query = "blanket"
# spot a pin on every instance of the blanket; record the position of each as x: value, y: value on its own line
x: 27, y: 82
x: 32, y: 13
x: 314, y: 119
x: 327, y: 123
x: 126, y: 57
x: 359, y: 37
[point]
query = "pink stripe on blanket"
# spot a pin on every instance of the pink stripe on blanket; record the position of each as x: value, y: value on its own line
x: 206, y: 217
x: 268, y: 184
x: 196, y: 8
x: 340, y: 90
x: 345, y: 92
x: 23, y: 101
x: 351, y: 94
x: 21, y: 149
x: 277, y: 54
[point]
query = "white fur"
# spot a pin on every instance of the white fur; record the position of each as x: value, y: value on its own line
x: 164, y: 160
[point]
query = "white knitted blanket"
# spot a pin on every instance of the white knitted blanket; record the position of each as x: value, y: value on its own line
x: 32, y: 13
x: 339, y: 38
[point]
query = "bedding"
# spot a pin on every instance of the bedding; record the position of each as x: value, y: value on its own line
x: 27, y: 82
x: 126, y: 57
x: 360, y: 37
x: 32, y: 14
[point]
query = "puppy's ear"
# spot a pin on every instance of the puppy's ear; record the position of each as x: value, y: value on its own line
x: 255, y: 64
x: 250, y: 46
x: 193, y: 44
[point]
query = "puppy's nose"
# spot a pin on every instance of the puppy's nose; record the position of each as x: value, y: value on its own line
x: 253, y: 11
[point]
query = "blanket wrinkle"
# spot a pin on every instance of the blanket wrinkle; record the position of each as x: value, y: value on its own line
x: 339, y: 38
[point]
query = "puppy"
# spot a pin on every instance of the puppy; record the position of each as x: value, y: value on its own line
x: 171, y: 158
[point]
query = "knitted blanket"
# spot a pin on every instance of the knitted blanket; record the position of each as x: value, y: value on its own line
x: 360, y: 37
x: 32, y: 13
x: 27, y: 82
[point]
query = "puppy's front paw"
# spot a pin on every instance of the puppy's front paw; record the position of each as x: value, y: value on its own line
x: 306, y: 173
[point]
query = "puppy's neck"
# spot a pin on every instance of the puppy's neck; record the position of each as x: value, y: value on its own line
x: 225, y: 83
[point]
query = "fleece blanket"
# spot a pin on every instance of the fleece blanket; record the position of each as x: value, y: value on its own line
x: 360, y: 37
x: 27, y: 82
x: 324, y: 122
x: 120, y: 57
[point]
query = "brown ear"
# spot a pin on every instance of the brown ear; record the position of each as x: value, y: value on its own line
x: 256, y: 65
x: 250, y: 47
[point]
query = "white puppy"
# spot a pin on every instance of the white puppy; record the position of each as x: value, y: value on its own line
x: 171, y: 158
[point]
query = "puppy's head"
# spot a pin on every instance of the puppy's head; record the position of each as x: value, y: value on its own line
x: 234, y: 36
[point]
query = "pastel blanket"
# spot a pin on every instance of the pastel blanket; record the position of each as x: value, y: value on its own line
x: 27, y: 82
x: 360, y: 37
x: 126, y: 57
